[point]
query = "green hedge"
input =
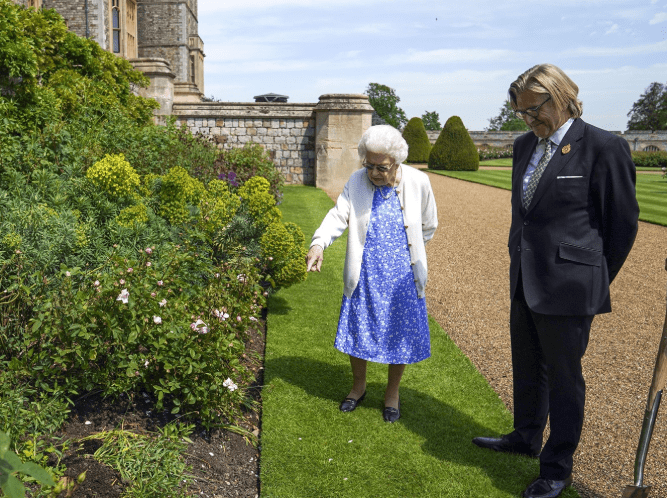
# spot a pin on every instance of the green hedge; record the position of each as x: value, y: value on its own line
x: 656, y: 159
x: 454, y: 149
x: 419, y: 146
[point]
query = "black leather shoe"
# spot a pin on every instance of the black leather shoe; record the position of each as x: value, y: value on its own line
x: 504, y: 445
x: 349, y: 404
x: 391, y: 414
x: 546, y: 488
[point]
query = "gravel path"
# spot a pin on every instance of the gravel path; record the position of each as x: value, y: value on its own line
x: 468, y: 294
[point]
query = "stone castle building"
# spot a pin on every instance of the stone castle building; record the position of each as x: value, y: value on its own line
x: 159, y: 37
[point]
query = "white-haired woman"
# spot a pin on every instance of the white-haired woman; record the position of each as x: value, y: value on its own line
x: 390, y: 212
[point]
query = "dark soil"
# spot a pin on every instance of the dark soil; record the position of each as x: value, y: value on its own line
x: 223, y: 463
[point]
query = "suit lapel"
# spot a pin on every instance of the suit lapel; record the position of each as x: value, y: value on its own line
x: 572, y: 139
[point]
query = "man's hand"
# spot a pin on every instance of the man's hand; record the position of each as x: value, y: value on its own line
x: 314, y: 258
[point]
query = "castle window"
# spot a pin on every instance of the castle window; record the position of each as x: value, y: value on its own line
x: 651, y: 148
x: 192, y: 69
x: 115, y: 25
x: 130, y: 29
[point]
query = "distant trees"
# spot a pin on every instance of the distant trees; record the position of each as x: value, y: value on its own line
x: 506, y: 120
x: 385, y: 102
x: 431, y: 121
x: 650, y: 111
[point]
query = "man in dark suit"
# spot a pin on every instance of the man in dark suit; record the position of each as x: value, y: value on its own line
x: 574, y: 220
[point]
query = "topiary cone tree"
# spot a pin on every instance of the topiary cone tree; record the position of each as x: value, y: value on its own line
x: 419, y: 146
x: 454, y: 150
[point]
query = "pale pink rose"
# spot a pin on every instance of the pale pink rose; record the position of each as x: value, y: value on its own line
x: 239, y: 319
x: 196, y: 326
x: 253, y: 319
x: 160, y: 283
x: 129, y: 270
x: 122, y: 282
x: 163, y: 302
x: 123, y: 296
x: 152, y: 294
x: 229, y: 384
x: 96, y: 283
x: 149, y: 250
x: 148, y: 263
x: 157, y: 319
x: 68, y: 274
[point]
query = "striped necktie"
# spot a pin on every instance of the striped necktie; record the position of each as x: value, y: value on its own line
x: 537, y: 174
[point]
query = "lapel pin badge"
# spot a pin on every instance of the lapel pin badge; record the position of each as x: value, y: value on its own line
x: 566, y: 149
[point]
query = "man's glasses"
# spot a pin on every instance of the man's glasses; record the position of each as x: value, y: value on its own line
x: 533, y: 112
x: 380, y: 167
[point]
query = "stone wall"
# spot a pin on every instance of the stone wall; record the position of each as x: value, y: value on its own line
x: 638, y: 140
x: 310, y: 144
x: 74, y: 14
x: 286, y: 131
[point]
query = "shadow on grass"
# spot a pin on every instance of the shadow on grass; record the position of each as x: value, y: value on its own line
x: 447, y: 432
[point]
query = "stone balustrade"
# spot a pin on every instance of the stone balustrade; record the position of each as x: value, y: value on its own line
x: 638, y: 140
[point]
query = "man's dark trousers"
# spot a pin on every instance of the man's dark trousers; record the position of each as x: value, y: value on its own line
x: 546, y: 359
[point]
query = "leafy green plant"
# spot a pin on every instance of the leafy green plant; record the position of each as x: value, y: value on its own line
x: 419, y: 145
x: 239, y: 164
x: 153, y: 465
x: 11, y: 464
x: 454, y: 150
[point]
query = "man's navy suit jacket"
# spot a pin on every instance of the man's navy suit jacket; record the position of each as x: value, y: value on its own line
x: 580, y: 226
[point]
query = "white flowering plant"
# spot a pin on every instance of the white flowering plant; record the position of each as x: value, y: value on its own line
x: 164, y: 328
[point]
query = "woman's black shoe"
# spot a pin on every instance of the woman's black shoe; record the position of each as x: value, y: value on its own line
x: 349, y: 404
x: 391, y: 414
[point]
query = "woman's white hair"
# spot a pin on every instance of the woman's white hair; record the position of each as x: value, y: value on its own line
x: 383, y: 139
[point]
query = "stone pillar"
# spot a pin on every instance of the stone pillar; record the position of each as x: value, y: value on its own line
x: 340, y: 120
x: 161, y: 87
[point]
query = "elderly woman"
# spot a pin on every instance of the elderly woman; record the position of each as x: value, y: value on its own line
x: 390, y: 212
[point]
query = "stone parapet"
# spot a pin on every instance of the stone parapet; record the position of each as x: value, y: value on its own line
x: 161, y: 87
x: 341, y: 120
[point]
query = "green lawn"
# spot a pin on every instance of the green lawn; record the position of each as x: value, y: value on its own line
x: 311, y: 449
x: 651, y: 190
x: 506, y: 162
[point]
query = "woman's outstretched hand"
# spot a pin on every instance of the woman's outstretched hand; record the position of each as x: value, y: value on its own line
x: 314, y: 258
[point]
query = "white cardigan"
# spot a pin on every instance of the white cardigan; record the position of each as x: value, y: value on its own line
x: 353, y: 211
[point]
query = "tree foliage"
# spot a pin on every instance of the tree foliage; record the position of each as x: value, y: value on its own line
x: 454, y: 149
x: 506, y: 120
x: 419, y: 145
x: 385, y: 102
x: 650, y: 111
x: 431, y: 121
x: 48, y: 73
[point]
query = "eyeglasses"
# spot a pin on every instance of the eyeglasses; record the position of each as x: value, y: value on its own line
x: 533, y: 112
x: 382, y: 168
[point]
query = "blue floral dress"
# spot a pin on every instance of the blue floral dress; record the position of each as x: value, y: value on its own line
x: 385, y: 321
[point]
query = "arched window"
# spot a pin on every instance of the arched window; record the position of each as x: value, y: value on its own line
x: 115, y: 26
x: 651, y: 148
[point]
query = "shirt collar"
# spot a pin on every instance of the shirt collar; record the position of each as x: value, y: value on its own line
x: 560, y: 132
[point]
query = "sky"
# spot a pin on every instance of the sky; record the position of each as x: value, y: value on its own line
x: 451, y: 57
